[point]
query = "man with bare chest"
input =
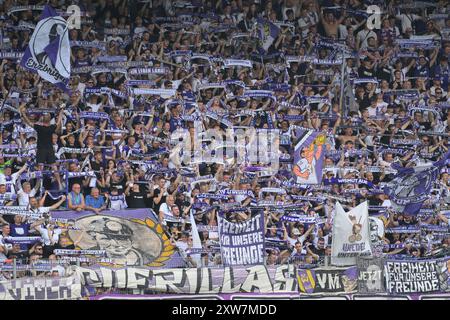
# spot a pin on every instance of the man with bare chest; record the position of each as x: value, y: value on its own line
x: 331, y: 24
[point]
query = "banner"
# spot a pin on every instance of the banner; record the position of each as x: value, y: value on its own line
x: 308, y: 157
x: 131, y: 237
x: 48, y: 52
x: 370, y: 275
x: 351, y: 236
x: 327, y: 281
x: 411, y: 276
x: 256, y: 279
x: 242, y: 243
x: 57, y: 288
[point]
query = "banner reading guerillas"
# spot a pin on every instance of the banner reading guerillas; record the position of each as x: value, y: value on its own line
x: 193, y: 280
x: 242, y: 243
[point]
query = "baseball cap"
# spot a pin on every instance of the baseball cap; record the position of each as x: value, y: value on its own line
x: 296, y: 232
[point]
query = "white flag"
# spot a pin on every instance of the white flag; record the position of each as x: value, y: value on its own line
x: 351, y: 236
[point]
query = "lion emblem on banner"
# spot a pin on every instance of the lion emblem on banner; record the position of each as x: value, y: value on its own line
x: 131, y: 242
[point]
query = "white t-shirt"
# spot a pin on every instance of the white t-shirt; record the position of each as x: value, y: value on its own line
x: 24, y: 198
x: 305, y: 22
x: 343, y: 33
x: 300, y: 239
x: 363, y: 35
x: 382, y: 106
x: 45, y: 236
x: 165, y: 209
x: 182, y: 245
x: 8, y: 246
x: 372, y: 111
x: 387, y: 203
x: 302, y: 252
x: 94, y: 106
x: 118, y: 204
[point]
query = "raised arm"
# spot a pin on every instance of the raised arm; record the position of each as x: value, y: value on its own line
x: 59, y: 203
x: 59, y: 120
x: 24, y: 116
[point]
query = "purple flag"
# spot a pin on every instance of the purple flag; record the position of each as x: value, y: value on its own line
x: 268, y: 32
x: 411, y: 186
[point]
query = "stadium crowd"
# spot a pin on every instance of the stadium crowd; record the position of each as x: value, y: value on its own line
x: 321, y: 66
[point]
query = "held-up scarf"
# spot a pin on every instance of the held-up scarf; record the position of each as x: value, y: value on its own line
x: 63, y: 252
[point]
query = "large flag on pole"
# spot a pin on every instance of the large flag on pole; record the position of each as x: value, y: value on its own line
x: 48, y: 52
x: 411, y: 186
x: 351, y: 235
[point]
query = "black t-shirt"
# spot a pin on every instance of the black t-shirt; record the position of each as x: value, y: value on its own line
x: 44, y: 136
x: 119, y: 185
x: 364, y: 72
x: 364, y: 103
x: 96, y: 167
x: 384, y: 73
x: 155, y: 196
x: 136, y: 200
x: 319, y: 252
x: 21, y: 256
